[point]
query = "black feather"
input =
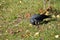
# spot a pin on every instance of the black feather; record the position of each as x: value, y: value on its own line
x: 37, y: 18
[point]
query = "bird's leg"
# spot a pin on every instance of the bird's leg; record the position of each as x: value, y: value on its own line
x: 37, y: 26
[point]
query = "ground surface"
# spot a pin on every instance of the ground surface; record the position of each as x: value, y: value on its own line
x: 14, y: 25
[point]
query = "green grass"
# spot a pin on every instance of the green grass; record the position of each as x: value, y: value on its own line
x: 11, y: 10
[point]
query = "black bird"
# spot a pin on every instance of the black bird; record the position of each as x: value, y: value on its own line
x: 37, y: 18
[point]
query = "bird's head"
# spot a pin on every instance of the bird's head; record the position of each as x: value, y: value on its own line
x: 32, y: 21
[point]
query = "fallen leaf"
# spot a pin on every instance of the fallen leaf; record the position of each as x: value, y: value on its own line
x: 27, y: 15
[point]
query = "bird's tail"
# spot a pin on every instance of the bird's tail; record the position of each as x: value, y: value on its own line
x: 46, y: 16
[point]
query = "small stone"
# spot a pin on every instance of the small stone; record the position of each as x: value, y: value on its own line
x: 0, y: 26
x: 58, y: 23
x: 36, y: 34
x: 20, y: 1
x: 6, y: 31
x: 56, y: 36
x: 53, y: 16
x: 49, y: 27
x: 3, y: 1
x: 27, y: 31
x: 30, y: 24
x: 58, y: 16
x: 6, y: 39
x: 0, y: 34
x: 0, y: 4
